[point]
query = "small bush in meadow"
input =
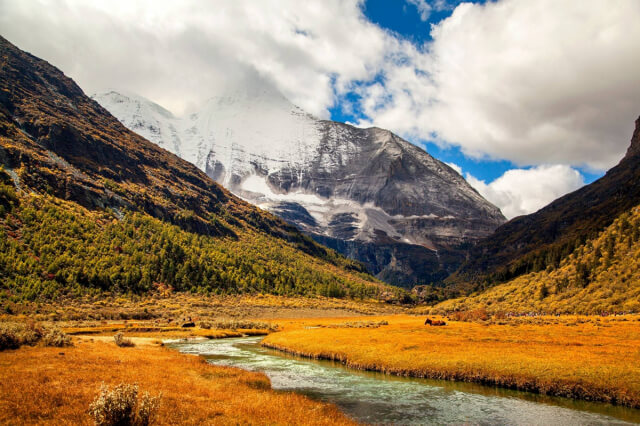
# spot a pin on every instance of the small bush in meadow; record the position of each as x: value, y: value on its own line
x: 475, y: 315
x: 55, y: 337
x: 204, y: 324
x: 31, y: 332
x: 359, y: 324
x: 13, y: 334
x: 122, y: 341
x: 242, y: 324
x: 8, y: 337
x: 121, y: 406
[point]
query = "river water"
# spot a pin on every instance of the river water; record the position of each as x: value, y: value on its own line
x: 378, y: 398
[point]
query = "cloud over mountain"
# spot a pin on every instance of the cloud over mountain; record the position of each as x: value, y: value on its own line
x: 532, y: 82
x: 523, y: 191
x: 535, y: 83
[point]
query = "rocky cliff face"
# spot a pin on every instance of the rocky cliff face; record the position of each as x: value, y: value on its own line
x: 365, y: 192
x: 634, y: 148
x: 55, y: 140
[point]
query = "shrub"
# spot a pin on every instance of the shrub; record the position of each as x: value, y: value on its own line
x: 475, y: 315
x: 122, y: 341
x: 121, y: 406
x: 359, y: 324
x: 13, y: 335
x: 147, y: 408
x: 8, y: 337
x: 30, y: 333
x: 242, y: 324
x: 205, y: 324
x: 55, y: 337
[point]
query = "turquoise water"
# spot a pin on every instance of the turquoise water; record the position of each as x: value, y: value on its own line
x: 378, y: 398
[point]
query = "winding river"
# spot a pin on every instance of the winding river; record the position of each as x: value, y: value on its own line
x: 378, y: 398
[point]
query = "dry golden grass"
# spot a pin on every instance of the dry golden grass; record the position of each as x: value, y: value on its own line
x: 102, y: 307
x: 148, y: 329
x: 588, y: 358
x: 41, y: 385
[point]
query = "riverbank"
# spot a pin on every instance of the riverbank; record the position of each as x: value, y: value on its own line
x: 589, y: 358
x: 44, y: 385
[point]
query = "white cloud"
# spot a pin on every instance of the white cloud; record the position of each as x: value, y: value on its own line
x: 534, y: 82
x: 424, y: 8
x: 524, y: 191
x: 180, y: 53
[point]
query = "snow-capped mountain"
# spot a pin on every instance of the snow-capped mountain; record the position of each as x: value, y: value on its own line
x: 365, y: 192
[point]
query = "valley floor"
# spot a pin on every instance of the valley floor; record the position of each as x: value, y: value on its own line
x: 590, y: 358
x: 175, y: 306
x: 45, y: 385
x: 582, y: 357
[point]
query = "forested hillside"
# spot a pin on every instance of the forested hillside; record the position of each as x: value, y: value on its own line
x: 599, y: 276
x: 87, y: 205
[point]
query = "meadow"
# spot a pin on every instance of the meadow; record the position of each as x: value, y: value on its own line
x: 589, y: 358
x: 50, y: 385
x: 582, y: 357
x: 171, y: 307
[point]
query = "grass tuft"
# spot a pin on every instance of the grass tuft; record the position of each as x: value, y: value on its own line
x: 16, y: 334
x: 122, y: 341
x: 121, y: 406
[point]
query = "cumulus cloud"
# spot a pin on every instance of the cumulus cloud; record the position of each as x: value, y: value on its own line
x: 180, y: 53
x: 425, y: 7
x: 524, y: 191
x: 533, y: 82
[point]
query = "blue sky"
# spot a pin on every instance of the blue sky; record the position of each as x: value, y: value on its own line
x: 403, y: 19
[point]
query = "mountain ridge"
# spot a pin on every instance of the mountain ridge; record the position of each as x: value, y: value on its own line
x: 532, y: 242
x: 601, y: 276
x: 365, y: 192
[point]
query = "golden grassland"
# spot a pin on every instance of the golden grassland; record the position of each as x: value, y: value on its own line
x: 154, y: 306
x: 42, y: 385
x: 582, y: 357
x: 590, y: 358
x: 143, y: 329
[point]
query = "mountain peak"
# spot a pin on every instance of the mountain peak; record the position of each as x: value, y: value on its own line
x: 634, y: 148
x: 366, y: 192
x: 128, y: 98
x: 250, y: 91
x: 251, y: 96
x: 88, y: 183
